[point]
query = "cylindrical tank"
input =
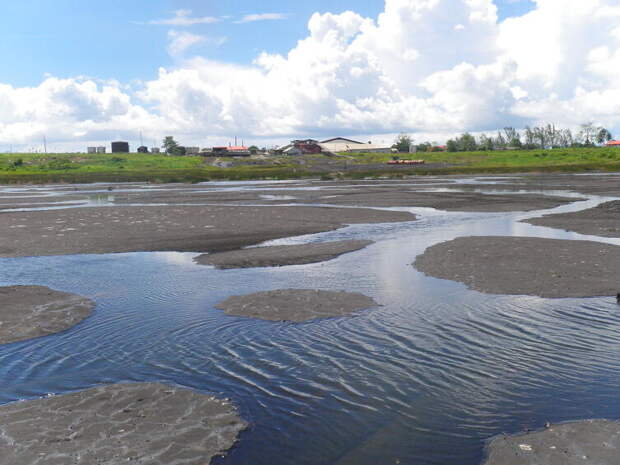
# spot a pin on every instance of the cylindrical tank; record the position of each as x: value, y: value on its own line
x: 120, y: 147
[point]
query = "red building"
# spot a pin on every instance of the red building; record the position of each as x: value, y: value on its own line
x: 307, y: 145
x: 613, y: 143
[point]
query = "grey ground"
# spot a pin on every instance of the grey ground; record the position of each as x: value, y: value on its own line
x: 146, y: 424
x: 590, y: 442
x: 404, y: 193
x: 296, y: 305
x: 525, y: 265
x: 169, y: 228
x: 281, y: 255
x: 32, y: 311
x: 603, y: 220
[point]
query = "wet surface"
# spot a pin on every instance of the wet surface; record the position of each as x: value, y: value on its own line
x: 425, y: 379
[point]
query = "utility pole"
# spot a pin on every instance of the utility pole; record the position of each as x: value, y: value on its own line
x: 44, y: 144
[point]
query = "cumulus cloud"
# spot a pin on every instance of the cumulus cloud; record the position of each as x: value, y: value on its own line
x: 70, y: 110
x: 425, y: 66
x: 261, y: 17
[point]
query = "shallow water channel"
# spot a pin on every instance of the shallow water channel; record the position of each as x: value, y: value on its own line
x: 426, y: 378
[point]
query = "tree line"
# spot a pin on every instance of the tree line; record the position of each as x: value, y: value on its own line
x: 537, y: 137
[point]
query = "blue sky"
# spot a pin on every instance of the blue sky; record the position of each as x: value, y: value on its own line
x: 83, y: 72
x: 112, y: 39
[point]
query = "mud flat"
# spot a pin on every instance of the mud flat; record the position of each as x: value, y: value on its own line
x: 169, y: 228
x: 122, y: 423
x: 603, y: 220
x: 527, y: 266
x: 585, y: 442
x: 402, y: 193
x: 296, y: 305
x: 27, y: 312
x: 281, y: 255
x: 449, y: 201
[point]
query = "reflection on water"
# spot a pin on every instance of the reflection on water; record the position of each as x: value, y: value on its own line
x: 423, y: 379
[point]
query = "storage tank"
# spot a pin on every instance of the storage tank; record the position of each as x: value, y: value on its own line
x: 120, y: 147
x: 100, y: 149
x: 91, y: 150
x: 155, y: 150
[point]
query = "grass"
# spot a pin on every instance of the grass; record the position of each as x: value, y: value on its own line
x: 82, y: 168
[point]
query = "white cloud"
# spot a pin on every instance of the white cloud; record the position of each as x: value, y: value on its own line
x: 180, y: 41
x: 425, y: 66
x: 70, y: 110
x: 184, y: 18
x: 261, y: 17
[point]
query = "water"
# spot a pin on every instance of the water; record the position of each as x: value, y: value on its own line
x: 424, y: 379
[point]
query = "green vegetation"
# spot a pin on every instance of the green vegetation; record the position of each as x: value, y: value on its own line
x: 73, y: 168
x: 566, y: 159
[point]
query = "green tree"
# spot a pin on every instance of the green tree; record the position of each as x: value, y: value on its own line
x: 452, y: 146
x: 603, y: 136
x: 171, y: 147
x: 467, y: 143
x: 424, y: 147
x: 486, y: 142
x: 588, y: 134
x: 512, y: 137
x: 403, y: 141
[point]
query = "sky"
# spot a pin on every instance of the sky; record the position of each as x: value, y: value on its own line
x: 85, y: 73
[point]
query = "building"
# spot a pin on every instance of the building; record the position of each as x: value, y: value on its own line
x: 307, y: 146
x: 143, y: 149
x: 300, y: 147
x: 341, y: 140
x: 155, y: 150
x: 613, y: 143
x: 192, y: 150
x: 342, y: 144
x: 120, y: 147
x: 227, y: 151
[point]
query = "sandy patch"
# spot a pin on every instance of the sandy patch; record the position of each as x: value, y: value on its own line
x: 123, y: 423
x: 296, y: 305
x: 585, y: 442
x: 603, y: 220
x: 32, y: 311
x: 281, y: 255
x: 523, y: 265
x: 170, y: 228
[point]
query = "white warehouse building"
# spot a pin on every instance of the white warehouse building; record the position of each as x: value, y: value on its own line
x: 341, y: 144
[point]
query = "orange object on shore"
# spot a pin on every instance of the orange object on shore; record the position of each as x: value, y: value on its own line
x: 406, y: 162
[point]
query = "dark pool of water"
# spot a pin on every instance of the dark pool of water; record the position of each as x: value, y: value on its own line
x: 424, y: 379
